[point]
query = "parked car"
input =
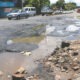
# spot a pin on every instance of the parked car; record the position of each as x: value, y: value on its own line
x: 17, y: 14
x: 31, y: 11
x: 46, y: 10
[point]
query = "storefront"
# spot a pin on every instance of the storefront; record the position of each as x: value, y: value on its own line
x: 5, y: 7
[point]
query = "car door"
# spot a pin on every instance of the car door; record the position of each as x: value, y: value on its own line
x: 33, y: 11
x: 23, y: 13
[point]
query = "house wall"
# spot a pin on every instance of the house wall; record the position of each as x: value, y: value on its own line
x: 5, y: 8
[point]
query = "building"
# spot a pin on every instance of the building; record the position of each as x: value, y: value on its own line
x: 5, y: 7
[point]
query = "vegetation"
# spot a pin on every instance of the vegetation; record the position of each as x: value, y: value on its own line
x: 61, y: 5
x: 38, y: 4
x: 35, y: 3
x: 54, y: 7
x: 70, y: 6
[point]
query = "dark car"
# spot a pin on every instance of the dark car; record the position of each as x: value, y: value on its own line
x: 46, y: 10
x: 17, y: 14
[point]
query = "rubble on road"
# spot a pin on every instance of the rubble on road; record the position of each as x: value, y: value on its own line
x: 62, y: 64
x: 26, y: 53
x: 64, y: 61
x: 34, y: 77
x: 21, y: 70
x: 21, y: 74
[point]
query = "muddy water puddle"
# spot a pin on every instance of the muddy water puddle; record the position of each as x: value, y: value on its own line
x: 34, y: 39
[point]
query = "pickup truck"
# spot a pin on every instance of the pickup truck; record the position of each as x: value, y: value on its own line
x: 46, y: 10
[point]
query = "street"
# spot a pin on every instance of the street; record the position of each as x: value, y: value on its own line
x: 16, y: 35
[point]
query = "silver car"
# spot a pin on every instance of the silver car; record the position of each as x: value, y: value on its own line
x: 17, y: 14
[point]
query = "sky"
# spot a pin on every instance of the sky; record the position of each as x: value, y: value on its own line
x: 76, y: 1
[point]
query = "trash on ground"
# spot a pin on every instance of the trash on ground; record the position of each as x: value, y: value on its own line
x: 26, y: 53
x: 9, y: 42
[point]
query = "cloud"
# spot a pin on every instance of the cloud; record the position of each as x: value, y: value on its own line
x: 53, y: 1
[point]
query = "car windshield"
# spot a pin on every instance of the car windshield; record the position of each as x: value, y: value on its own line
x: 45, y: 8
x: 14, y: 11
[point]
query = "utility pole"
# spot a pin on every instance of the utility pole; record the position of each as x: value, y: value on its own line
x: 22, y: 3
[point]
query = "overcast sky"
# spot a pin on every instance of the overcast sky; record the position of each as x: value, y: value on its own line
x: 76, y: 1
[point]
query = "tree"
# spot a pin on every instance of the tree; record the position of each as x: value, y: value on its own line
x: 18, y: 3
x: 38, y: 4
x: 70, y: 6
x: 53, y: 6
x: 60, y: 4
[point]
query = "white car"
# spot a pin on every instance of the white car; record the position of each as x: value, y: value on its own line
x: 31, y: 11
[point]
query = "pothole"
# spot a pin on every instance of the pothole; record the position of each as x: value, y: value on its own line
x: 33, y: 39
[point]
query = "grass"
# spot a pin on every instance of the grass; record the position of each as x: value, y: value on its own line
x: 34, y: 39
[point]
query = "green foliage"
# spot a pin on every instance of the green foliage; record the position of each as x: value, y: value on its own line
x: 18, y: 4
x: 29, y: 5
x: 70, y: 6
x: 37, y: 3
x: 60, y: 4
x: 53, y: 6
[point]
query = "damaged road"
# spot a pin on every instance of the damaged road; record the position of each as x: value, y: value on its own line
x: 64, y: 61
x: 32, y: 35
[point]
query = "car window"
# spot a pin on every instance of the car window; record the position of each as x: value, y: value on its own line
x: 14, y: 11
x: 26, y: 9
x: 45, y: 8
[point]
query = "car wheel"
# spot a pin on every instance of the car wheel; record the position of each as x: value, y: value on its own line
x: 9, y: 18
x: 18, y: 17
x: 34, y: 14
x: 42, y: 14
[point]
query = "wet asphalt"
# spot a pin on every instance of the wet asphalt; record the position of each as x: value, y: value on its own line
x: 55, y: 27
x: 10, y: 29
